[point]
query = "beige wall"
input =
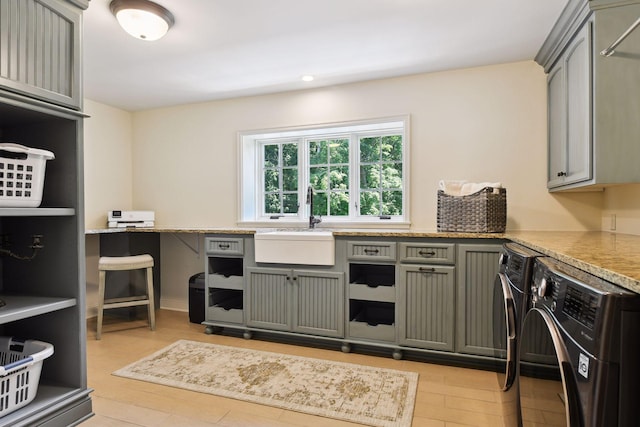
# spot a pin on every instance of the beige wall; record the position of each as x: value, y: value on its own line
x: 624, y: 203
x: 108, y: 181
x: 108, y: 163
x: 480, y: 124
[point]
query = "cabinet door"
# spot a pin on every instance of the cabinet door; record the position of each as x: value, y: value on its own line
x: 578, y: 78
x: 318, y: 303
x: 557, y: 119
x: 426, y: 315
x: 477, y: 269
x: 267, y: 298
x: 40, y: 50
x: 570, y: 114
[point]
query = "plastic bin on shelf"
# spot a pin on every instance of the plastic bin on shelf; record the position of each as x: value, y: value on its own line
x: 22, y: 175
x: 20, y: 371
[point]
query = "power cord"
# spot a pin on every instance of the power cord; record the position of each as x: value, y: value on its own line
x: 36, y: 245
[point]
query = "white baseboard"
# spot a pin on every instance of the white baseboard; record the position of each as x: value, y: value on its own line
x: 175, y: 304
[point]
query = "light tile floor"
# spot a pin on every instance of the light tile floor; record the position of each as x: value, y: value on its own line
x: 447, y: 396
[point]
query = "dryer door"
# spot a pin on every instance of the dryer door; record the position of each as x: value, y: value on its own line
x: 504, y: 330
x: 548, y: 387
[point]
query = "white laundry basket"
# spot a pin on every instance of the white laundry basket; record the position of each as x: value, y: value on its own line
x: 20, y: 371
x: 22, y: 175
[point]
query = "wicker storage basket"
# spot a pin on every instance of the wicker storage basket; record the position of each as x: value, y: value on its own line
x: 484, y: 211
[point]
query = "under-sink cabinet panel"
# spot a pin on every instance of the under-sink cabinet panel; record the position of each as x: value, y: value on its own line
x: 427, y: 307
x: 304, y: 301
x: 319, y: 303
x: 268, y: 298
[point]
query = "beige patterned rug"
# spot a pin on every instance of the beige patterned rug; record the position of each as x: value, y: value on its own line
x: 361, y: 394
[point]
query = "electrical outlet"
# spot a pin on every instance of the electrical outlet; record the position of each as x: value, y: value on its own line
x: 37, y: 242
x: 612, y: 225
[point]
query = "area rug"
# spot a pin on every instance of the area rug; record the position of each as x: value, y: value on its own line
x: 345, y: 391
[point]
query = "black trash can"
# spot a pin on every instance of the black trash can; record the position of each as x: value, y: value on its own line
x: 196, y: 298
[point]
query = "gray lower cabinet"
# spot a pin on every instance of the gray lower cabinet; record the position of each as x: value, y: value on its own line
x: 477, y: 269
x: 40, y: 49
x: 224, y: 268
x: 426, y: 300
x: 295, y: 300
x: 372, y: 302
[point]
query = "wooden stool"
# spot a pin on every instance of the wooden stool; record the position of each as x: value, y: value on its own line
x: 122, y: 263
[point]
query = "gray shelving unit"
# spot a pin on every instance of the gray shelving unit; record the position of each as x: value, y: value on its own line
x: 45, y: 296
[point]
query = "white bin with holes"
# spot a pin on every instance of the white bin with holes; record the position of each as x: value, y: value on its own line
x: 20, y: 371
x: 22, y: 175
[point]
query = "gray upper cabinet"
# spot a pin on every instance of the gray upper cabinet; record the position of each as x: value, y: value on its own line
x: 592, y: 99
x: 40, y: 49
x: 569, y: 114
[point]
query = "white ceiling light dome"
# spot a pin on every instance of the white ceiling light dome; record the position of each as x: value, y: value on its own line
x: 142, y: 19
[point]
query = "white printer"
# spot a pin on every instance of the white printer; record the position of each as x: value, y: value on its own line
x: 127, y: 219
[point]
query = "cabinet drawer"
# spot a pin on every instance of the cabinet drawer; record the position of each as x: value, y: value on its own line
x: 428, y: 253
x: 363, y: 291
x: 230, y: 282
x: 382, y: 251
x: 372, y: 320
x: 372, y: 332
x: 223, y: 245
x: 220, y: 314
x: 225, y: 305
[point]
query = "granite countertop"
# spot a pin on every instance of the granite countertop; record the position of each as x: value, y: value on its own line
x: 613, y: 257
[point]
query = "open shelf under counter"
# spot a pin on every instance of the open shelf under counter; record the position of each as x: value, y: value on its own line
x: 19, y: 307
x: 49, y: 400
x: 37, y: 212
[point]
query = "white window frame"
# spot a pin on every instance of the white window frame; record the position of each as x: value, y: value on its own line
x: 250, y: 176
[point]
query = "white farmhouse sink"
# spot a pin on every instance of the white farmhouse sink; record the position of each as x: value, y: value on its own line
x: 307, y: 247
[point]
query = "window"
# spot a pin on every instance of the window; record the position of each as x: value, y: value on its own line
x: 357, y: 171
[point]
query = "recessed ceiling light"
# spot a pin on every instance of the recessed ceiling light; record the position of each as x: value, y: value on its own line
x: 307, y: 78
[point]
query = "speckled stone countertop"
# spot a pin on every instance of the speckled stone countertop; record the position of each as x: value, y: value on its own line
x: 613, y: 257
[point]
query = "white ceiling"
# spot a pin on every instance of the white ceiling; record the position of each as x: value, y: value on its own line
x: 228, y: 48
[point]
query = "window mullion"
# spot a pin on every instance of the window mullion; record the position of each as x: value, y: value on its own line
x: 303, y: 176
x: 354, y: 166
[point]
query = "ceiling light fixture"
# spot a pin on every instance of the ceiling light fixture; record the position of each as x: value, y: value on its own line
x: 143, y: 19
x: 307, y: 78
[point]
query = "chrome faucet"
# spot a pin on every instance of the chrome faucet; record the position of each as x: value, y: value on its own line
x: 312, y: 219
